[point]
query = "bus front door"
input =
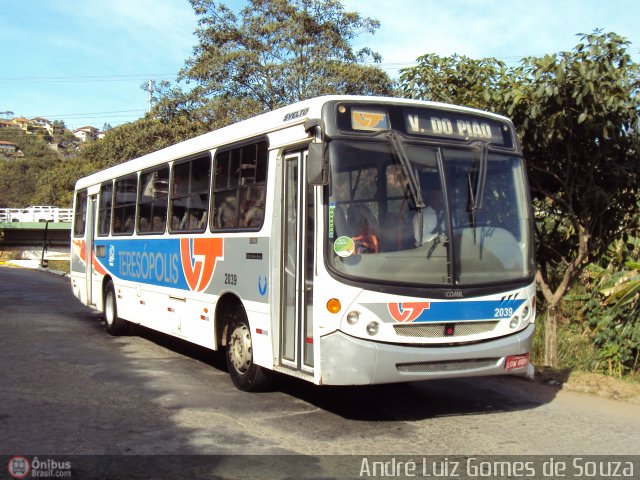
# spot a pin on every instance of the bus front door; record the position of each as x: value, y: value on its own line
x: 93, y: 282
x: 296, y: 316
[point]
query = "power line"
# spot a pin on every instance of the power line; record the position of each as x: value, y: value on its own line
x: 89, y: 114
x: 88, y: 78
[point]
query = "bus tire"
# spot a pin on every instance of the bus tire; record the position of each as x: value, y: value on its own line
x: 112, y: 323
x: 245, y: 374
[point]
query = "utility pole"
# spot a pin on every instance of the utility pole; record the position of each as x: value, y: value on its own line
x: 150, y: 89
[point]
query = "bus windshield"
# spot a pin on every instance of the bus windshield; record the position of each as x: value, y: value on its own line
x: 440, y: 216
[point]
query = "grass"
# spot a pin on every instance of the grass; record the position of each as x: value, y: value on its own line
x: 59, y: 265
x: 577, y: 359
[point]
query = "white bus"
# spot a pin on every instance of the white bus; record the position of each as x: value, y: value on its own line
x: 343, y: 240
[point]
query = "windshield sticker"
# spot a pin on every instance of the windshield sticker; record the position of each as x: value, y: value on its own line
x: 332, y: 209
x: 344, y: 247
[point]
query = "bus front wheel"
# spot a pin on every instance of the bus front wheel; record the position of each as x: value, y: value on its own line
x: 112, y: 324
x: 245, y: 374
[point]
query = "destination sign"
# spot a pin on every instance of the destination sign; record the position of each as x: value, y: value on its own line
x: 456, y: 126
x: 424, y: 122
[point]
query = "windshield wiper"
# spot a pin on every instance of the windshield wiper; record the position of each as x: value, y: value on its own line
x: 412, y: 179
x: 476, y: 195
x: 405, y: 163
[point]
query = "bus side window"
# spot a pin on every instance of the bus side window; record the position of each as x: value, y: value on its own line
x: 104, y: 212
x: 152, y: 202
x: 124, y: 205
x: 240, y: 187
x: 190, y: 196
x: 80, y: 214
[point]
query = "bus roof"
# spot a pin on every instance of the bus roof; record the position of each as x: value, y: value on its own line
x: 281, y: 118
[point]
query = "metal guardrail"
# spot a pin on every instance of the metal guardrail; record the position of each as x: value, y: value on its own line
x: 36, y: 214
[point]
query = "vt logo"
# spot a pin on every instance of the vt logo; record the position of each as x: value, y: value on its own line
x: 369, y: 120
x: 407, y: 311
x: 199, y: 257
x: 262, y: 288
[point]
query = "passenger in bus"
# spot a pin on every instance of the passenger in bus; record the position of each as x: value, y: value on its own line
x: 157, y: 224
x: 253, y: 215
x: 129, y: 224
x: 226, y: 215
x: 117, y: 224
x: 143, y: 224
x: 190, y: 220
x: 202, y: 223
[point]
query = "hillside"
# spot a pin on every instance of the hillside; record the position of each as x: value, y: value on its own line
x: 41, y: 172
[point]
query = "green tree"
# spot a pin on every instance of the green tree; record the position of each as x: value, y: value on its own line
x: 274, y: 52
x: 55, y: 185
x: 138, y: 138
x: 457, y: 79
x: 577, y: 114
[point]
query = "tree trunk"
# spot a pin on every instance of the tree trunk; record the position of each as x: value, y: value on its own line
x: 551, y: 338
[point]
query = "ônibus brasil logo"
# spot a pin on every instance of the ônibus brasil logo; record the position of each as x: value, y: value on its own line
x: 19, y: 467
x: 406, y: 312
x: 199, y: 257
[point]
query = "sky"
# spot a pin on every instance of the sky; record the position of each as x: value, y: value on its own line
x: 85, y: 62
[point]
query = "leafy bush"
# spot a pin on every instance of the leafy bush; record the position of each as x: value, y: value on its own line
x: 612, y: 311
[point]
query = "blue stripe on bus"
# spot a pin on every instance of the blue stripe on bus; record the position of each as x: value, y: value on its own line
x: 155, y: 262
x: 471, y: 310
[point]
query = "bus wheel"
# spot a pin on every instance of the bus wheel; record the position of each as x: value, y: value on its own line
x: 112, y: 324
x: 244, y: 374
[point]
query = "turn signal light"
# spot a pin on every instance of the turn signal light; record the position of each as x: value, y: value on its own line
x: 333, y: 305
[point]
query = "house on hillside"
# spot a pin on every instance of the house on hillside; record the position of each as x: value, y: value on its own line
x: 9, y: 149
x: 5, y: 123
x: 47, y: 125
x: 23, y: 123
x: 86, y: 133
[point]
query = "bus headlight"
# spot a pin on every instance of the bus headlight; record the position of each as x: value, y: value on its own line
x: 353, y: 317
x: 515, y: 321
x: 372, y: 328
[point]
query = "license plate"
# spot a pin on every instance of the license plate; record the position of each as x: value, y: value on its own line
x: 516, y: 361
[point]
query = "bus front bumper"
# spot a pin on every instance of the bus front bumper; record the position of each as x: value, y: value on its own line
x: 347, y: 360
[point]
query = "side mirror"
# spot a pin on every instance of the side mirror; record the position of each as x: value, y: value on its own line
x: 317, y: 165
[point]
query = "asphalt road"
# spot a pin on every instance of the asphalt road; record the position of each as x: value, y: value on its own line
x: 68, y: 388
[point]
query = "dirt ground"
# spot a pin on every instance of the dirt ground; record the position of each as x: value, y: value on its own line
x: 590, y: 383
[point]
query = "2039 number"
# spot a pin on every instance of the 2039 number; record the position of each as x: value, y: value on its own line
x: 230, y: 279
x: 503, y: 312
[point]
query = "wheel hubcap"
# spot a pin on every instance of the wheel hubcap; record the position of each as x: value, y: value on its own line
x: 240, y: 351
x: 108, y: 313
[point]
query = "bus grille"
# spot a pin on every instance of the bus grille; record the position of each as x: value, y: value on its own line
x: 437, y: 330
x: 447, y: 366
